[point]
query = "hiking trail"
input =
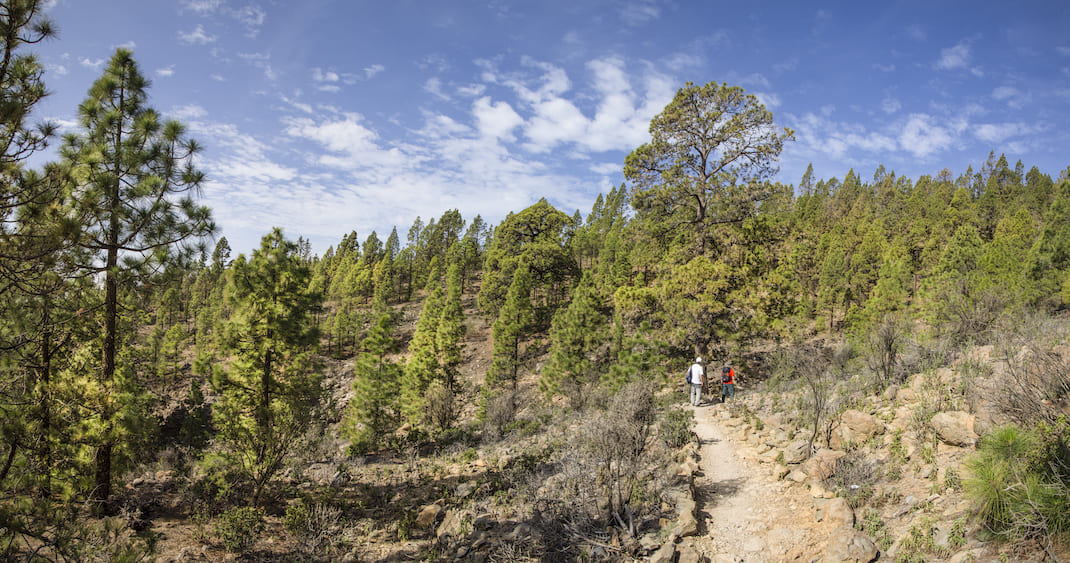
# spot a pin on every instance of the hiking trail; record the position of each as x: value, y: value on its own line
x: 746, y: 513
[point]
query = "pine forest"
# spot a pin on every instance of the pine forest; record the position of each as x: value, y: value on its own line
x: 406, y: 395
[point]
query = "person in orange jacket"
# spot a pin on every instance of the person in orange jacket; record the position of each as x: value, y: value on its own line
x: 728, y: 382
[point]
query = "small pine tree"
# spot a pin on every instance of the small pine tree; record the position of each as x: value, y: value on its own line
x: 373, y: 410
x: 575, y: 335
x: 272, y: 388
x: 513, y: 321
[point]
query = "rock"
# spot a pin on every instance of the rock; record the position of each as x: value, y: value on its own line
x: 955, y: 428
x: 906, y: 395
x: 450, y: 523
x: 688, y: 554
x: 464, y: 490
x: 847, y: 545
x: 822, y: 465
x: 484, y: 522
x: 664, y: 555
x: 855, y: 427
x: 890, y: 393
x: 649, y: 543
x: 797, y: 476
x: 819, y: 491
x: 797, y: 452
x: 838, y: 513
x: 430, y: 513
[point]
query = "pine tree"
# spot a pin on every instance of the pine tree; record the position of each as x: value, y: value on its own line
x: 422, y: 367
x: 449, y: 335
x: 272, y: 387
x: 575, y: 335
x: 508, y: 331
x: 133, y: 177
x: 373, y: 410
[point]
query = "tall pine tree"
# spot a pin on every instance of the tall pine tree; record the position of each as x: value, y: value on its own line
x: 133, y: 185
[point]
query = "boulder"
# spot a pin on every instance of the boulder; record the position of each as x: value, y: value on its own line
x: 838, y: 513
x: 797, y: 452
x: 666, y: 554
x: 847, y: 545
x: 429, y: 515
x: 855, y: 427
x: 822, y: 465
x: 955, y: 428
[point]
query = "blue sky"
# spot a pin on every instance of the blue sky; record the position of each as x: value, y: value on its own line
x: 327, y: 116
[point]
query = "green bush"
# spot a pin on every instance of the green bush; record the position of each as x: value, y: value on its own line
x: 1020, y: 484
x: 239, y: 528
x: 675, y: 427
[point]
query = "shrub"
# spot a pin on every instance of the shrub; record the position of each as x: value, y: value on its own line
x: 675, y: 427
x: 239, y: 528
x: 313, y: 526
x: 618, y: 440
x: 499, y: 411
x: 1019, y: 482
x: 855, y: 478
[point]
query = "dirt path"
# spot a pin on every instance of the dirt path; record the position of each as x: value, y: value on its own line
x: 750, y: 516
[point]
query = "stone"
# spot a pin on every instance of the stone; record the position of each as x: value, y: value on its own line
x: 797, y: 452
x: 666, y: 554
x: 890, y: 393
x: 906, y: 395
x: 797, y: 476
x: 450, y: 524
x: 430, y: 513
x: 649, y: 542
x: 838, y: 513
x: 464, y: 490
x: 955, y: 428
x: 822, y: 465
x: 847, y: 545
x: 855, y: 427
x: 688, y: 554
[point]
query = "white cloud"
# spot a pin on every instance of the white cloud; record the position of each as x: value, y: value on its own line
x: 261, y: 61
x: 472, y: 90
x: 1063, y: 50
x: 639, y: 12
x: 434, y: 87
x: 371, y: 71
x: 606, y: 168
x: 768, y: 100
x: 957, y: 57
x: 884, y: 68
x: 196, y: 37
x: 496, y: 119
x: 166, y: 71
x: 252, y: 17
x: 129, y: 46
x: 95, y: 65
x: 353, y: 146
x: 60, y: 70
x: 923, y: 137
x: 916, y: 32
x: 202, y: 6
x: 890, y: 105
x: 1014, y: 97
x: 188, y: 112
x: 999, y: 132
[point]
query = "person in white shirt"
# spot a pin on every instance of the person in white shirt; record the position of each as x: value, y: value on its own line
x: 696, y: 374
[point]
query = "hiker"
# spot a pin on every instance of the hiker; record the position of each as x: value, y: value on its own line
x: 696, y: 375
x: 728, y: 382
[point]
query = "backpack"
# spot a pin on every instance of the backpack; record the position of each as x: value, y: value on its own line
x: 689, y: 376
x: 724, y: 376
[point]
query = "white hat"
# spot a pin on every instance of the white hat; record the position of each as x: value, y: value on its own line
x: 698, y: 360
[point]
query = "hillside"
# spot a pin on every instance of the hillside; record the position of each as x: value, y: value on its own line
x: 887, y: 481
